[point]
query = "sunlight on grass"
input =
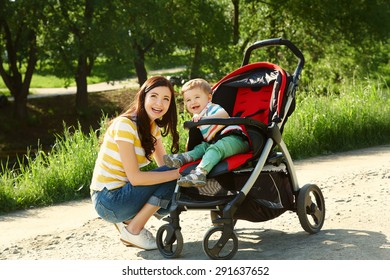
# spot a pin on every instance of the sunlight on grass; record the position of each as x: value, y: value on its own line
x: 49, y: 81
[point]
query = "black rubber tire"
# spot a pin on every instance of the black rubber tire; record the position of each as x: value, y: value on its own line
x: 213, y: 252
x: 311, y: 208
x: 170, y: 247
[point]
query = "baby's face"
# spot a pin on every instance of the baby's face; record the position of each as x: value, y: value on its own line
x: 196, y: 100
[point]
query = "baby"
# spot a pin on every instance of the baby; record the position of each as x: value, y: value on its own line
x: 219, y: 142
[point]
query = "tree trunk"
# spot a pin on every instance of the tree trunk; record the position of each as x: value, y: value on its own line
x: 236, y: 24
x: 139, y: 64
x: 82, y: 85
x: 195, y: 67
x: 14, y: 81
x: 20, y: 104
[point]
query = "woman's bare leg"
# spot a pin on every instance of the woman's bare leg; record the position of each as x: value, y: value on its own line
x: 135, y: 225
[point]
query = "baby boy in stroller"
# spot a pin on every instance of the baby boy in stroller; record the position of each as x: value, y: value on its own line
x: 220, y: 142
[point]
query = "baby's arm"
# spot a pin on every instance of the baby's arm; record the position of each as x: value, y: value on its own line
x: 221, y: 113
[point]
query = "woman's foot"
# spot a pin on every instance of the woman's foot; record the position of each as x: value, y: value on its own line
x: 121, y: 227
x: 144, y: 240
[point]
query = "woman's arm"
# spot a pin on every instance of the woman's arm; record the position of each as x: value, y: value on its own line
x: 159, y: 152
x: 138, y: 177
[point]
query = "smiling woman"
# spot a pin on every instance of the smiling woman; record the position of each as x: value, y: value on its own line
x: 123, y: 194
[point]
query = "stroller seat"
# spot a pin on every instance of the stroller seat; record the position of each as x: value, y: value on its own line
x: 254, y: 92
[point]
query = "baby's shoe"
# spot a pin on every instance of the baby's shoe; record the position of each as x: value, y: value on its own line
x: 196, y: 178
x: 175, y: 160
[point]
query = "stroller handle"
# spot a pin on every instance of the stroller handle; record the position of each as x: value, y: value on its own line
x: 276, y: 42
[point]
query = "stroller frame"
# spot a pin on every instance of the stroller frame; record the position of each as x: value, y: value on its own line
x: 308, y: 201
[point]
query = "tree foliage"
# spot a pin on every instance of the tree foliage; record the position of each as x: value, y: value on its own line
x: 76, y: 32
x: 339, y: 38
x: 20, y: 26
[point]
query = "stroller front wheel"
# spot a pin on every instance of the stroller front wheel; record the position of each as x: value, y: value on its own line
x: 219, y: 244
x: 169, y: 241
x: 311, y: 208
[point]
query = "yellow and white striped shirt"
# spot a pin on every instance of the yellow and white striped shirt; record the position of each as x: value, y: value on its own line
x: 109, y: 171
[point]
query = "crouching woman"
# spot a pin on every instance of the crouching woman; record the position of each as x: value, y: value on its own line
x: 121, y: 192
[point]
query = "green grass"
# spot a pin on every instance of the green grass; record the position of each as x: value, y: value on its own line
x: 357, y: 117
x: 44, y: 179
x: 50, y: 81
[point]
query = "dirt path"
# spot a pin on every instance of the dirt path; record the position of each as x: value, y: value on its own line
x: 356, y: 187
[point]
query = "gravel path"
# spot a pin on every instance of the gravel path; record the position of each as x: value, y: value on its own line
x: 356, y: 187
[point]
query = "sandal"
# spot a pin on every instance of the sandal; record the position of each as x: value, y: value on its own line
x: 175, y: 160
x: 194, y: 179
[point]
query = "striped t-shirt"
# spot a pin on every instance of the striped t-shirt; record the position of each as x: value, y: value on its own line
x: 209, y: 131
x: 109, y: 171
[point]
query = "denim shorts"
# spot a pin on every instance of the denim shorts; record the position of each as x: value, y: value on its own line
x: 124, y: 203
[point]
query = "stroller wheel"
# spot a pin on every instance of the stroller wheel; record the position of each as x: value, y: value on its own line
x: 169, y: 241
x: 311, y: 208
x: 220, y: 245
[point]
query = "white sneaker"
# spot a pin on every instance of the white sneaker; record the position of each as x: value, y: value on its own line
x: 120, y: 226
x: 144, y: 240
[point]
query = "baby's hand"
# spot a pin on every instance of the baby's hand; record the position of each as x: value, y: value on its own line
x: 196, y: 117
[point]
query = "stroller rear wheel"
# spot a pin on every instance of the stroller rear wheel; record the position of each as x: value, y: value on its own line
x: 169, y: 241
x: 219, y: 244
x: 311, y: 208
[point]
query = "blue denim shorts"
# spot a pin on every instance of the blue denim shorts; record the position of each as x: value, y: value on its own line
x: 124, y: 203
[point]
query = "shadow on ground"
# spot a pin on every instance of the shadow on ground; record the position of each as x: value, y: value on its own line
x: 334, y: 244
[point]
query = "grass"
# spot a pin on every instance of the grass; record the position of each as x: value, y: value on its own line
x: 49, y: 81
x: 357, y: 117
x: 57, y: 176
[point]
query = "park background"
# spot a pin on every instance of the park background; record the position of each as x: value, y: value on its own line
x: 342, y: 101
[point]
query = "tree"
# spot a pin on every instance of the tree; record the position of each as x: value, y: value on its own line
x: 146, y: 29
x: 204, y: 28
x: 339, y: 38
x: 76, y: 33
x: 20, y: 24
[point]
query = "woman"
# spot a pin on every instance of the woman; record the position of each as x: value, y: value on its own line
x: 123, y: 194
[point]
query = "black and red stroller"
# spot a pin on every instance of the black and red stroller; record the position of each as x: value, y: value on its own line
x: 259, y: 185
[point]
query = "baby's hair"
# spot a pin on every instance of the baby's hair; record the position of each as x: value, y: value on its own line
x: 197, y: 83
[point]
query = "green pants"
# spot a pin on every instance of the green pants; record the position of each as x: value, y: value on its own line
x: 214, y: 153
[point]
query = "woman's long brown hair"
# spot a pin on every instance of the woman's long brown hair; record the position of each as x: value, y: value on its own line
x: 168, y: 122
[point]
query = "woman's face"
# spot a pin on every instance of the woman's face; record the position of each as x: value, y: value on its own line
x: 157, y: 102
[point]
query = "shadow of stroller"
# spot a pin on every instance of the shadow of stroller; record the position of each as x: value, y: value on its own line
x: 332, y: 244
x: 268, y: 244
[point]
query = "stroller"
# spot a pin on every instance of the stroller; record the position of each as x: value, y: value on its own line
x: 256, y: 186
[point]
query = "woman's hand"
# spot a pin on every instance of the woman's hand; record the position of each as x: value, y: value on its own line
x: 141, y: 178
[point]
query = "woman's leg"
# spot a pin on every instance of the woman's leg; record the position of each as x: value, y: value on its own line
x: 124, y: 204
x: 135, y: 225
